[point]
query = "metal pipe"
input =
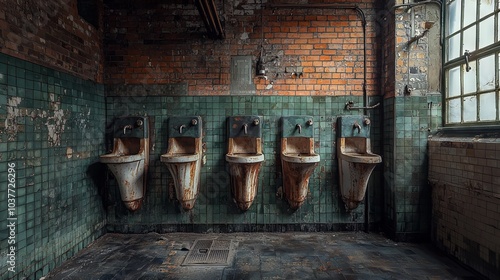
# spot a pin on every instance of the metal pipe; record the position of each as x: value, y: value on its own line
x: 350, y: 106
x: 299, y: 127
x: 214, y: 17
x: 210, y: 17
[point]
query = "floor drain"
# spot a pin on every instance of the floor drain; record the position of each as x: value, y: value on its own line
x: 210, y: 252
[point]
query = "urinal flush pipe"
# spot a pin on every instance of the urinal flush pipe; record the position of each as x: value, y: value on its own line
x: 126, y: 127
x: 357, y: 126
x: 299, y: 127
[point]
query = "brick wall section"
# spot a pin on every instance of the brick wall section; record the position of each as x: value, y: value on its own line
x: 52, y: 34
x: 466, y: 200
x: 165, y: 43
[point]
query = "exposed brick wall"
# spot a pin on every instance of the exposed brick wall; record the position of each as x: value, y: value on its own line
x: 165, y: 43
x: 465, y: 199
x: 52, y: 34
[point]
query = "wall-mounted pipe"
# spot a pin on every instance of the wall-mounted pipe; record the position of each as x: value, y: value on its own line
x: 361, y: 14
x: 208, y: 12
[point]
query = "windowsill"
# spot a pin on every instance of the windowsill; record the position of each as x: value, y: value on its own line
x: 480, y: 131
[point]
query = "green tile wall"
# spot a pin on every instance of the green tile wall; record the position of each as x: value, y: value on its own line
x: 52, y: 129
x: 214, y: 210
x: 407, y: 195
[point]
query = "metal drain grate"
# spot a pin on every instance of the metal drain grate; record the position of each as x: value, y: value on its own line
x: 209, y: 252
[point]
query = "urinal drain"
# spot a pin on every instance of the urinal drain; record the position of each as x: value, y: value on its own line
x: 210, y: 252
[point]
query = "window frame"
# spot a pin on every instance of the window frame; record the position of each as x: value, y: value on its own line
x: 475, y: 56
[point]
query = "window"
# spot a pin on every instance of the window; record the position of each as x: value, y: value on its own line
x: 472, y: 62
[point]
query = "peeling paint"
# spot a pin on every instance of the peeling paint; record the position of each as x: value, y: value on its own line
x: 11, y: 124
x: 83, y: 119
x: 56, y: 124
x: 69, y: 152
x: 244, y: 36
x: 55, y: 119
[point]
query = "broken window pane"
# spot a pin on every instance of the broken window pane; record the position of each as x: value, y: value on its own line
x: 487, y: 73
x: 487, y: 108
x: 470, y: 109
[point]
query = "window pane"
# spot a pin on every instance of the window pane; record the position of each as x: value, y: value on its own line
x: 486, y: 7
x: 454, y: 109
x: 454, y: 82
x: 470, y: 39
x: 454, y: 47
x: 487, y: 73
x: 470, y: 109
x: 470, y: 7
x: 486, y: 32
x: 470, y: 85
x: 487, y: 109
x: 453, y: 16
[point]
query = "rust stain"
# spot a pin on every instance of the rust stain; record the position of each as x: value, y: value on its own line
x: 192, y: 173
x: 296, y: 182
x: 133, y: 205
x: 244, y: 183
x: 359, y: 174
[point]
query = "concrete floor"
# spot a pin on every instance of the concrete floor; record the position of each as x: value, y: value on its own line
x: 334, y: 255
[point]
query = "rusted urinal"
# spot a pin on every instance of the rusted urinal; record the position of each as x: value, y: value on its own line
x: 184, y: 157
x: 129, y: 159
x: 356, y: 160
x: 244, y: 155
x: 298, y: 159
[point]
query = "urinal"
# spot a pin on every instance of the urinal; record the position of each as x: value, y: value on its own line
x: 356, y: 160
x: 184, y: 157
x: 298, y: 159
x: 129, y: 159
x: 244, y: 156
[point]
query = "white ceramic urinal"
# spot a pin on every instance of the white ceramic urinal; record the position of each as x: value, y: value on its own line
x: 356, y: 160
x: 129, y: 159
x: 244, y: 156
x: 298, y: 159
x: 184, y: 157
